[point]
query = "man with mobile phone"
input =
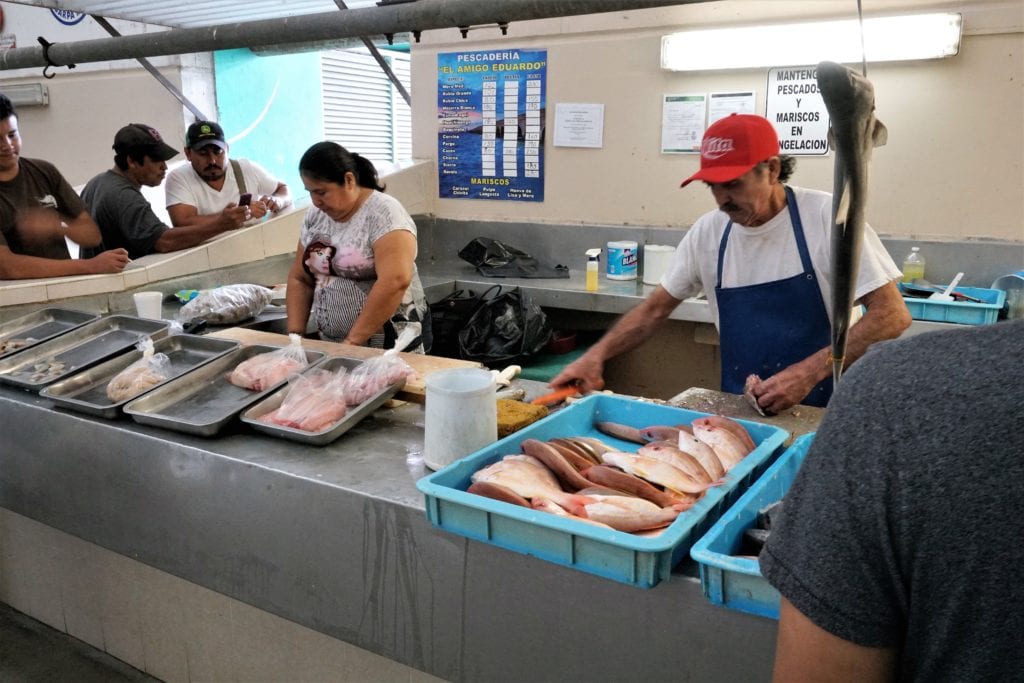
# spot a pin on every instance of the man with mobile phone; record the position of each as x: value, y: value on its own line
x: 124, y: 215
x: 209, y: 189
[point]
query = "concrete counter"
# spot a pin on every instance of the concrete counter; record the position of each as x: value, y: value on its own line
x: 336, y: 539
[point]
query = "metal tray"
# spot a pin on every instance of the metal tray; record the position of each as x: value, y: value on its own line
x: 86, y: 391
x: 79, y: 349
x: 203, y: 401
x: 353, y: 417
x: 41, y: 326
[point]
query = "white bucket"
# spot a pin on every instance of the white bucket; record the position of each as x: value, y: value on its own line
x: 461, y: 415
x: 656, y: 260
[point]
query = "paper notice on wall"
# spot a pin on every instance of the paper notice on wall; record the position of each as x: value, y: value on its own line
x: 682, y: 123
x: 721, y: 104
x: 579, y: 125
x: 796, y: 109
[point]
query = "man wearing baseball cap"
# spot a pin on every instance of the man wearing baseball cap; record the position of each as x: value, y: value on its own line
x: 214, y: 190
x: 116, y: 202
x: 40, y: 213
x: 763, y: 258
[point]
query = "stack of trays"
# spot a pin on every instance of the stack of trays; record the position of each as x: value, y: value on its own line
x: 632, y: 559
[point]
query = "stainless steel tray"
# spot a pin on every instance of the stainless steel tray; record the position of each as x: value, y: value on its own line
x: 203, y: 401
x: 353, y: 417
x: 78, y: 349
x: 40, y: 326
x: 86, y: 391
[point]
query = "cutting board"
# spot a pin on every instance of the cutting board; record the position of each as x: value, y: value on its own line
x: 797, y: 420
x: 414, y: 390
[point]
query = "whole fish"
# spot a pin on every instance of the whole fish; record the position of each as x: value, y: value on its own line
x: 656, y: 472
x: 660, y: 433
x: 729, y: 448
x: 621, y: 431
x: 627, y: 513
x: 704, y: 454
x: 567, y: 475
x: 497, y: 492
x: 555, y: 509
x: 669, y: 451
x: 854, y: 132
x: 731, y: 425
x: 527, y: 477
x: 624, y: 482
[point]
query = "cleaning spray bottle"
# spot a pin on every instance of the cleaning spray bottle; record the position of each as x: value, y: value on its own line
x: 593, y: 255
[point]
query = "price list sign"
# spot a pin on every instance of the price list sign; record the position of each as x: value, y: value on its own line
x: 490, y: 124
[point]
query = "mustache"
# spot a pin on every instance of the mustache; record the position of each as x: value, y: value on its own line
x: 729, y: 207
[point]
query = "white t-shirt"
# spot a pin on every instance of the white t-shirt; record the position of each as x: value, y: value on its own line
x: 768, y: 253
x: 184, y: 186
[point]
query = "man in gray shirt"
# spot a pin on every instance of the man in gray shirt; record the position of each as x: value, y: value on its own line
x: 123, y: 214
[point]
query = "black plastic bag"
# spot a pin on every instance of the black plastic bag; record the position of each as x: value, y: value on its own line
x: 506, y: 327
x: 447, y: 317
x: 497, y: 259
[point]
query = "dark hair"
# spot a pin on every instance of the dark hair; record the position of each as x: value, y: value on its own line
x: 329, y: 162
x: 7, y: 109
x: 787, y: 164
x: 137, y: 154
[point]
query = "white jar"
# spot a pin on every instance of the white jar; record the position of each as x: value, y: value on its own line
x: 461, y: 415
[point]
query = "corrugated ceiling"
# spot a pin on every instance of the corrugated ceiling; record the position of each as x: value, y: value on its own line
x: 191, y: 14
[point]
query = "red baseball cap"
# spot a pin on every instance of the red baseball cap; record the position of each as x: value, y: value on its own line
x: 734, y: 145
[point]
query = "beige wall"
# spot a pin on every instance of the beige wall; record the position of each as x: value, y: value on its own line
x: 952, y: 168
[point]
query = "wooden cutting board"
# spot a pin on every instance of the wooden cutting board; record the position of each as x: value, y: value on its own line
x: 414, y: 389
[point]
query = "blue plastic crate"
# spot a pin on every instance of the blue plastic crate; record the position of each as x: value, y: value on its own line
x: 963, y: 312
x: 736, y: 582
x: 617, y: 555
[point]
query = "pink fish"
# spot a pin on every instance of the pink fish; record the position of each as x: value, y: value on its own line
x: 704, y: 454
x: 729, y: 448
x: 626, y: 513
x: 656, y: 472
x: 529, y: 478
x: 668, y: 451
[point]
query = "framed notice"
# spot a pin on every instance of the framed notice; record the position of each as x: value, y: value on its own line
x: 490, y: 124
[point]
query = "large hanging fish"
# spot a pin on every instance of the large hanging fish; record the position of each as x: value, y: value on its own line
x: 854, y: 132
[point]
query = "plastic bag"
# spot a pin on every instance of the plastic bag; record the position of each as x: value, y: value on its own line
x: 506, y: 327
x: 268, y: 369
x: 227, y: 305
x: 447, y: 317
x: 496, y: 259
x: 142, y: 375
x: 376, y: 374
x: 315, y: 401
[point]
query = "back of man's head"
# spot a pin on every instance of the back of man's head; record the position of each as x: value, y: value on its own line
x: 7, y: 109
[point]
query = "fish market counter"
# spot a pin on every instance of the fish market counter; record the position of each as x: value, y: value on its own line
x: 335, y: 539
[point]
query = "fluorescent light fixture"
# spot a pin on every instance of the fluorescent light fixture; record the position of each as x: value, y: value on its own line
x: 886, y: 39
x: 27, y: 94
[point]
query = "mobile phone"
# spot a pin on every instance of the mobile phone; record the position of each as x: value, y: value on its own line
x: 245, y: 199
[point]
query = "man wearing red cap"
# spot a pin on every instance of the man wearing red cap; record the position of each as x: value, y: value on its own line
x: 764, y: 260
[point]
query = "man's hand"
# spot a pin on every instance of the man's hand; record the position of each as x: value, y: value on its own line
x: 586, y: 373
x: 110, y: 261
x: 789, y: 386
x: 259, y: 207
x: 232, y: 217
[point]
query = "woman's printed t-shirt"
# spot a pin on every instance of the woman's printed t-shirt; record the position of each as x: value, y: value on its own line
x: 339, y: 255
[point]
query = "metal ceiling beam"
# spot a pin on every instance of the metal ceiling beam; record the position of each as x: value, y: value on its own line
x: 414, y: 17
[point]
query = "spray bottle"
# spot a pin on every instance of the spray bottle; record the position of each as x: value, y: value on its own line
x: 593, y: 255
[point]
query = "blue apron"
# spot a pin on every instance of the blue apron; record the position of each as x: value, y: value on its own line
x: 767, y: 327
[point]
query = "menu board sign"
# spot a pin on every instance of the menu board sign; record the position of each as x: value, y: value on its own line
x: 490, y: 124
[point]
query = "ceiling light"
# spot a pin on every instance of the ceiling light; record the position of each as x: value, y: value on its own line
x: 922, y: 36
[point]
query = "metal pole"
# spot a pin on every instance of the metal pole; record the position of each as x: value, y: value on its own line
x: 423, y: 15
x: 148, y: 66
x: 383, y: 63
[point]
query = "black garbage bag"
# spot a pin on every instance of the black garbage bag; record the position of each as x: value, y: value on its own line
x: 506, y: 327
x: 497, y: 259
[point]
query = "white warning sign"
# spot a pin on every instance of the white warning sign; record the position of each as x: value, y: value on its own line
x: 795, y: 108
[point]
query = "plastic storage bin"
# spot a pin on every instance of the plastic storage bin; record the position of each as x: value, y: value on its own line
x: 963, y: 312
x: 736, y: 582
x: 641, y: 562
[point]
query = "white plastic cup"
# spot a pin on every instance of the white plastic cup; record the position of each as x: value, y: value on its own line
x: 656, y: 260
x: 149, y: 305
x: 461, y: 415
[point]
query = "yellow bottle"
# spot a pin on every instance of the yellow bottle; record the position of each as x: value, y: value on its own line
x: 593, y: 255
x: 913, y: 265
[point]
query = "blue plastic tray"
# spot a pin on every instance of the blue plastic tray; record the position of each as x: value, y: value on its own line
x: 963, y: 312
x: 736, y: 582
x: 617, y: 555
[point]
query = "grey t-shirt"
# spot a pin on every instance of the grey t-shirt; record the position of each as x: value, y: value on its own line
x: 903, y: 527
x: 124, y: 215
